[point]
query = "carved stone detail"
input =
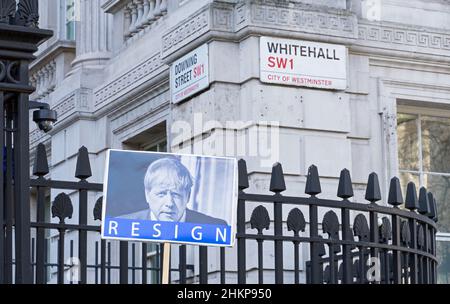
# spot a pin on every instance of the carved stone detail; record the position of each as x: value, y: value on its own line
x: 403, y: 36
x: 305, y: 21
x: 154, y: 102
x: 232, y: 18
x: 129, y: 80
x: 44, y: 80
x: 65, y: 106
x: 187, y: 31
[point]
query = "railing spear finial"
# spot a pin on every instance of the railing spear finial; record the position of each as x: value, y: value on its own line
x: 83, y: 169
x: 345, y: 188
x: 435, y: 210
x: 40, y: 167
x: 424, y: 206
x: 430, y: 205
x: 373, y: 193
x: 277, y: 183
x: 395, y: 197
x: 411, y: 201
x: 313, y: 182
x: 242, y: 175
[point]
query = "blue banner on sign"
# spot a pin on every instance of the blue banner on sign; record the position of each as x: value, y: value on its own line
x: 167, y: 231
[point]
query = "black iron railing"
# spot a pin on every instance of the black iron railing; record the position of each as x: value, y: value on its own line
x: 331, y: 241
x: 400, y: 242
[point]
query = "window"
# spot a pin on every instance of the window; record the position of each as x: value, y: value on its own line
x: 424, y: 158
x: 160, y: 146
x: 71, y: 14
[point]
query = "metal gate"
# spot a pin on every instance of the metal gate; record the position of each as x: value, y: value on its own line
x: 343, y: 239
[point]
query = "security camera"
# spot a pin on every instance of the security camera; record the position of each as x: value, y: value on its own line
x: 45, y: 119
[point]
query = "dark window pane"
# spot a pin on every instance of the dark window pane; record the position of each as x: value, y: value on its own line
x: 163, y: 146
x: 443, y: 255
x: 408, y: 142
x: 440, y: 187
x: 152, y: 148
x: 436, y: 144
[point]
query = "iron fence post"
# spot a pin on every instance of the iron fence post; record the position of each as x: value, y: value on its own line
x: 2, y: 203
x: 241, y: 256
x: 19, y: 38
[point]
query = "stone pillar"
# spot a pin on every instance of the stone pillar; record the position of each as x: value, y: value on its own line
x: 93, y: 36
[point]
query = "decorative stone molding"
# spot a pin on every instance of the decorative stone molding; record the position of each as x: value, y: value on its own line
x: 223, y: 17
x: 140, y: 14
x: 146, y: 105
x: 186, y: 31
x: 341, y: 4
x: 300, y: 18
x: 231, y: 17
x: 44, y: 80
x: 401, y: 35
x: 77, y: 101
x: 50, y: 67
x: 65, y: 106
x: 128, y: 81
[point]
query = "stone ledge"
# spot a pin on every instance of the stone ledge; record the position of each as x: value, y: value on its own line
x: 58, y: 47
x: 113, y: 6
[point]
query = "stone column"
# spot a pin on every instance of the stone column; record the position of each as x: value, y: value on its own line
x: 92, y: 35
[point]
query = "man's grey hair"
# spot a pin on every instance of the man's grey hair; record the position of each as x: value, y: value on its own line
x: 168, y: 170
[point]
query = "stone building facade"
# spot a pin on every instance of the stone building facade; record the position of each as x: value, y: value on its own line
x: 106, y: 72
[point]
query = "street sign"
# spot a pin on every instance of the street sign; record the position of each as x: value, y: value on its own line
x: 176, y: 198
x: 303, y: 63
x: 189, y: 74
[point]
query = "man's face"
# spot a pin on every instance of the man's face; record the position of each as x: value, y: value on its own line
x: 167, y: 202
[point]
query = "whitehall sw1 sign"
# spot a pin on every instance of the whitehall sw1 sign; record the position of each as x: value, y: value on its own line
x: 303, y: 63
x: 189, y: 74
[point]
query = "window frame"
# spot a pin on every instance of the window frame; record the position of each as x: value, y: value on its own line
x: 438, y: 112
x: 66, y: 21
x: 420, y: 112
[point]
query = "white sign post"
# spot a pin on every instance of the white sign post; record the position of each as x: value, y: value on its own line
x: 303, y: 63
x: 189, y: 74
x: 166, y: 264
